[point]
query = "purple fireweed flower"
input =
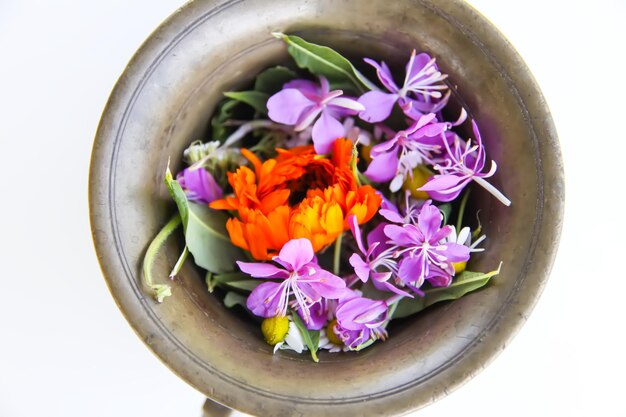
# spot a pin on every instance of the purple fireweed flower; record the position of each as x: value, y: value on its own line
x: 398, y: 157
x: 379, y: 263
x: 462, y: 164
x: 360, y: 319
x: 199, y: 185
x: 420, y: 93
x: 424, y: 252
x: 299, y: 104
x: 319, y: 313
x: 302, y: 278
x: 410, y: 213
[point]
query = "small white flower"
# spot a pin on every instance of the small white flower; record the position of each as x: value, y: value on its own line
x: 293, y: 340
x: 464, y: 237
x: 325, y: 343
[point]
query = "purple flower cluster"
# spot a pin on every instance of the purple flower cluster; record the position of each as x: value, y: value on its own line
x: 410, y: 248
x: 428, y: 141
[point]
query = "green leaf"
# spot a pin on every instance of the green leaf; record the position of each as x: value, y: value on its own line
x: 208, y: 241
x: 178, y: 195
x: 232, y: 299
x: 311, y: 337
x: 237, y: 280
x: 322, y: 60
x: 224, y: 112
x: 462, y: 284
x: 205, y: 231
x: 255, y: 99
x: 446, y: 209
x: 272, y: 79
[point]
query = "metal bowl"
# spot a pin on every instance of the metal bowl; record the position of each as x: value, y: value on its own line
x: 163, y: 101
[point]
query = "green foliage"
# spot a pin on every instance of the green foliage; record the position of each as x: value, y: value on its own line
x: 205, y: 231
x: 255, y: 99
x: 225, y: 111
x: 234, y: 280
x: 233, y: 299
x: 311, y: 337
x: 462, y: 284
x: 322, y: 60
x: 272, y: 79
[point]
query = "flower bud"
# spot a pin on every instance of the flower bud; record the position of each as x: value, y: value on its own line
x: 275, y: 329
x: 459, y: 267
x: 421, y: 175
x: 330, y: 333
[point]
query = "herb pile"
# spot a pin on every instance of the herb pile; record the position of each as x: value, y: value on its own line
x: 324, y: 202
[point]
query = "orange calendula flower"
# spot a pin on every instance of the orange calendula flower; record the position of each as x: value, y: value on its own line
x: 298, y: 194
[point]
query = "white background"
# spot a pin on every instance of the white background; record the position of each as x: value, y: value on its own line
x: 65, y: 349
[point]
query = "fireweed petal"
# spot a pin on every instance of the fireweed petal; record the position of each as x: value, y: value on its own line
x: 361, y: 268
x: 262, y: 270
x: 378, y: 106
x: 199, y: 185
x: 429, y: 220
x: 383, y: 167
x: 264, y: 300
x: 325, y: 131
x: 297, y: 253
x: 384, y: 74
x: 287, y: 106
x: 360, y: 312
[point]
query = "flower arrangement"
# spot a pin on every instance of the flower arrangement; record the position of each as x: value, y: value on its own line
x: 323, y: 204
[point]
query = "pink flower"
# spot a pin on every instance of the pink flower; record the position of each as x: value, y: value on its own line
x: 379, y: 263
x: 199, y: 185
x: 302, y: 278
x: 425, y: 254
x: 360, y: 319
x: 396, y: 158
x: 420, y: 93
x: 299, y: 104
x: 462, y: 164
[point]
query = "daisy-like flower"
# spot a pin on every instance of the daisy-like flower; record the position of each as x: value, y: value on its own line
x: 303, y: 284
x: 462, y: 164
x: 299, y: 104
x: 293, y: 339
x: 424, y: 255
x: 420, y: 93
x: 396, y: 158
x: 464, y: 237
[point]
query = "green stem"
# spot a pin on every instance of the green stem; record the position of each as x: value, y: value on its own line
x: 179, y: 263
x: 337, y: 255
x: 160, y: 291
x: 459, y: 221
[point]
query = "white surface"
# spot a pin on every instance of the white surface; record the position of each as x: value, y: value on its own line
x: 66, y: 350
